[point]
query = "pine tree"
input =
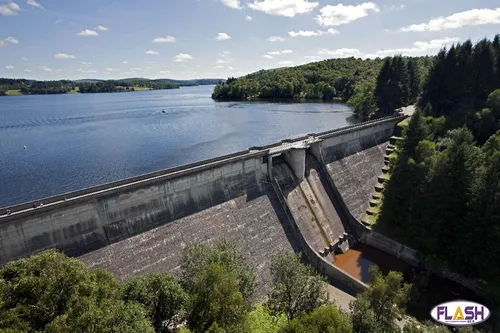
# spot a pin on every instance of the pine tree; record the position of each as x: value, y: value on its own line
x: 400, y: 81
x: 382, y: 93
x: 414, y: 80
x: 496, y: 49
x: 434, y: 85
x: 484, y: 72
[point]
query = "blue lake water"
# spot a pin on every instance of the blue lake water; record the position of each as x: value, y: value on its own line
x: 82, y: 140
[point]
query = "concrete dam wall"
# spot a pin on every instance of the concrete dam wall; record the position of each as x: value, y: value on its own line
x: 141, y: 225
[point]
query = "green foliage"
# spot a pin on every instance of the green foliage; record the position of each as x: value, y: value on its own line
x: 363, y: 102
x: 376, y: 309
x: 217, y: 305
x: 396, y: 85
x: 458, y: 86
x: 196, y: 258
x: 446, y: 193
x: 162, y: 297
x: 324, y: 319
x: 261, y: 321
x: 334, y: 78
x: 124, y: 85
x: 297, y: 288
x: 111, y: 317
x: 53, y: 293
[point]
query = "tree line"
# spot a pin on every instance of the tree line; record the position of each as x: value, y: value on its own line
x: 443, y: 195
x: 325, y: 80
x: 32, y: 87
x: 121, y: 86
x: 213, y: 292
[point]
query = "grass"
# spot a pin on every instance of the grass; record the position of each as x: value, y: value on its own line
x: 141, y: 88
x: 13, y: 92
x: 76, y: 90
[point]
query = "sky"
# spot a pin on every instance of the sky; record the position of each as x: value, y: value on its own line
x: 185, y: 39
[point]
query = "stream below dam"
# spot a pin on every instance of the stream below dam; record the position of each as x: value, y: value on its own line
x: 428, y: 289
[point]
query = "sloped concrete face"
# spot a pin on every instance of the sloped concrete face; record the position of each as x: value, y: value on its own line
x: 356, y: 175
x: 253, y: 222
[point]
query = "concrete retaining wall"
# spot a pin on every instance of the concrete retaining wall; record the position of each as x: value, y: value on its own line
x: 324, y: 267
x: 84, y: 223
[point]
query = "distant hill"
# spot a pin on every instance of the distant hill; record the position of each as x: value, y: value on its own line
x: 88, y: 81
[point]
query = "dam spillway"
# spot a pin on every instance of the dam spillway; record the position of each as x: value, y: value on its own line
x: 141, y: 225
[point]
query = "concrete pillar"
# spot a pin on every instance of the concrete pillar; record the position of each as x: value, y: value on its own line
x: 296, y: 158
x: 316, y: 150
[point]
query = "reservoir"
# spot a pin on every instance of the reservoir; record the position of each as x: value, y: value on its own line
x: 81, y: 140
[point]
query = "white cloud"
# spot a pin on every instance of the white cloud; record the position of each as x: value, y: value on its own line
x: 127, y: 73
x: 310, y: 33
x: 9, y: 67
x: 313, y: 58
x: 12, y: 40
x: 344, y: 14
x: 394, y: 7
x: 273, y: 53
x: 183, y: 57
x: 222, y: 36
x: 84, y: 63
x: 225, y: 57
x: 168, y: 39
x: 150, y: 52
x: 219, y: 66
x: 341, y: 53
x: 64, y: 56
x: 276, y: 39
x: 136, y: 69
x: 2, y: 43
x: 87, y: 71
x: 9, y: 9
x: 285, y: 63
x: 102, y: 28
x: 248, y: 18
x: 124, y: 62
x: 231, y: 3
x: 27, y: 70
x: 24, y: 59
x: 34, y: 4
x: 109, y: 69
x: 420, y: 48
x: 45, y: 69
x: 88, y: 32
x: 462, y: 19
x: 164, y: 72
x: 267, y: 56
x: 287, y: 8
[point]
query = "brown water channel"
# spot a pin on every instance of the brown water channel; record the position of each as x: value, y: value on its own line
x: 428, y: 289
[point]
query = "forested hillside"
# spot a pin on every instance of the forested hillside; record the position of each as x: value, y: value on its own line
x: 443, y: 196
x: 327, y: 80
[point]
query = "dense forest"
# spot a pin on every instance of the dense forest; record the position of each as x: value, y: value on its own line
x: 326, y: 80
x: 443, y: 195
x: 213, y: 292
x: 33, y: 87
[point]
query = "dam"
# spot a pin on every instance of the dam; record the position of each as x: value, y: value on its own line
x: 306, y: 195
